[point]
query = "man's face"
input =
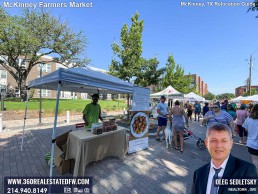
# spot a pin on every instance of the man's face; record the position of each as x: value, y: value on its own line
x: 162, y: 100
x: 219, y: 144
x: 95, y: 100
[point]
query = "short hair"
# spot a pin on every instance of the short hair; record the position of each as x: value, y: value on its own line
x: 219, y: 127
x: 243, y: 107
x: 95, y: 95
x: 254, y: 112
x: 163, y: 97
x: 217, y: 103
x: 177, y: 102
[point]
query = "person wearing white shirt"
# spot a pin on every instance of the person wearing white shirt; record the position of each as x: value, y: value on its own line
x: 222, y: 165
x: 251, y: 125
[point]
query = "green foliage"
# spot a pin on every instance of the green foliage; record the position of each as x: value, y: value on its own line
x: 225, y: 96
x: 254, y: 8
x: 174, y: 76
x: 35, y: 34
x: 253, y: 92
x: 149, y: 73
x: 127, y: 58
x: 31, y: 93
x: 209, y: 96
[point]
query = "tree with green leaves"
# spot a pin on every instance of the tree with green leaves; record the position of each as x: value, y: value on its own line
x: 255, y: 7
x: 174, y: 76
x: 225, y: 96
x: 209, y: 96
x: 253, y: 92
x: 32, y: 36
x: 127, y: 59
x: 149, y: 73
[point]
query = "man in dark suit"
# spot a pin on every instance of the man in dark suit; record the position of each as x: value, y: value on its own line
x: 219, y: 143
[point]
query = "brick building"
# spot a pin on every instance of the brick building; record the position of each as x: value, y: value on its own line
x: 201, y: 86
x: 242, y: 89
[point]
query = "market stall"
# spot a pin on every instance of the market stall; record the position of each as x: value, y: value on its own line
x: 77, y: 80
x: 80, y: 146
x: 193, y: 97
x: 169, y: 92
x: 253, y: 98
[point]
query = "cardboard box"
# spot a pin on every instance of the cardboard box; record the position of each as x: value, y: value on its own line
x: 63, y: 166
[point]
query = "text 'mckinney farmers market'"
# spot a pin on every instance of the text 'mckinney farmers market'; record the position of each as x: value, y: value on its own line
x: 42, y: 4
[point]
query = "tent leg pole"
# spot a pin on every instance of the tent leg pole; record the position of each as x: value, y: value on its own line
x: 54, y: 129
x: 25, y: 117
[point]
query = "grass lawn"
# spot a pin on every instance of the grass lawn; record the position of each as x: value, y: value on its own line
x: 48, y: 105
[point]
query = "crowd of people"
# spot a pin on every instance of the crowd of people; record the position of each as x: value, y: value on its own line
x: 242, y: 120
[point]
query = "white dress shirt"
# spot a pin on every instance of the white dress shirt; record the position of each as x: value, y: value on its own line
x: 212, y: 173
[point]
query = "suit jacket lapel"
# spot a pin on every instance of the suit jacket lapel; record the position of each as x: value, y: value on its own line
x: 229, y: 167
x: 228, y: 170
x: 205, y: 177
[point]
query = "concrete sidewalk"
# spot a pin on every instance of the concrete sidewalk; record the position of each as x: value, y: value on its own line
x: 46, y: 122
x: 154, y: 170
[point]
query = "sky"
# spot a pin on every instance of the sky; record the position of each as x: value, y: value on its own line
x: 212, y: 41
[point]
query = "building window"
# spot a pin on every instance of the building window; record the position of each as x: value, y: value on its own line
x: 2, y: 88
x: 45, y: 93
x: 45, y: 67
x: 23, y: 63
x: 3, y: 74
x: 17, y: 92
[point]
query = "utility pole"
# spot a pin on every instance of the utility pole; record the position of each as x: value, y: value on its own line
x: 250, y: 75
x: 40, y: 96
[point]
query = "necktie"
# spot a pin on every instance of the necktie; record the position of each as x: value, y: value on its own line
x: 214, y: 188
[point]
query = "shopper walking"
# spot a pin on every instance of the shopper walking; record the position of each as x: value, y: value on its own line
x: 251, y: 125
x: 189, y: 112
x: 218, y: 116
x: 197, y: 110
x: 242, y: 114
x: 162, y: 110
x: 178, y: 126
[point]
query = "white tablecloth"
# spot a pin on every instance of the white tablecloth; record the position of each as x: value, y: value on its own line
x: 85, y: 147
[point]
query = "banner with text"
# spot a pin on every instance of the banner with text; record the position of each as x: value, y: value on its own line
x: 139, y: 126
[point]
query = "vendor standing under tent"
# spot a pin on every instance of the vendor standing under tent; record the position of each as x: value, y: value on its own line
x: 92, y: 112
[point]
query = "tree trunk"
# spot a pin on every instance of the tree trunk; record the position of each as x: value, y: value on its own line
x: 22, y: 87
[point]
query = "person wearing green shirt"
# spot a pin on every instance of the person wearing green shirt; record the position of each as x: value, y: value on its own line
x: 92, y: 112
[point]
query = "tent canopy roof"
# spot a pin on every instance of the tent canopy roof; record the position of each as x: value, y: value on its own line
x: 237, y: 99
x: 252, y: 98
x: 194, y: 96
x: 168, y: 92
x: 82, y: 79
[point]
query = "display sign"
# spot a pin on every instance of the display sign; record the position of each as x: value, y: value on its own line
x: 139, y: 127
x: 139, y: 131
x: 141, y: 99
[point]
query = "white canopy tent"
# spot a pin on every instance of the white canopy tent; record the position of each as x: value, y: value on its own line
x: 237, y: 99
x: 253, y: 98
x: 169, y: 92
x: 193, y: 97
x: 76, y: 80
x: 82, y: 80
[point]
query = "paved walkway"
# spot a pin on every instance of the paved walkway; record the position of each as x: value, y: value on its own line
x: 154, y: 170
